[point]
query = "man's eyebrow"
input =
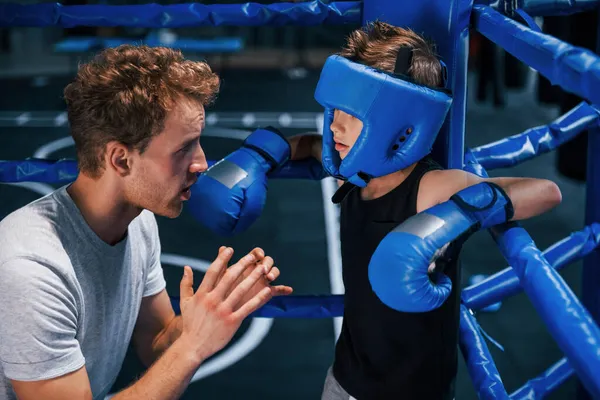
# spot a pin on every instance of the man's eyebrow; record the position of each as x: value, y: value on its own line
x: 190, y: 140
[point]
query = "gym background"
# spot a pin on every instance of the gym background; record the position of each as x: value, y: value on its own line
x: 268, y: 78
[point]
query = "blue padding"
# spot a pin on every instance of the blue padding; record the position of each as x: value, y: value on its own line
x: 65, y: 170
x: 536, y: 141
x: 180, y: 15
x: 505, y: 283
x: 542, y: 8
x: 326, y: 306
x: 539, y: 387
x: 574, y: 69
x: 37, y: 170
x: 569, y: 323
x: 480, y: 364
x: 82, y: 44
x: 472, y: 165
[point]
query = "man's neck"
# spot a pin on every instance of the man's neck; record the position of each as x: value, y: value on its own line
x: 381, y: 186
x: 103, y: 207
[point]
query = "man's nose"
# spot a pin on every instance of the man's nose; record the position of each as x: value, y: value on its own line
x: 199, y: 164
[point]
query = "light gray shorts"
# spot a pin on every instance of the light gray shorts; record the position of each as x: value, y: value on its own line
x: 332, y: 389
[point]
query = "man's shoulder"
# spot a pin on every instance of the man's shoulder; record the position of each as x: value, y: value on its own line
x: 34, y: 214
x: 28, y: 230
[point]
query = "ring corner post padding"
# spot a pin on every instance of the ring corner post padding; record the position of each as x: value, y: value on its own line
x: 447, y: 23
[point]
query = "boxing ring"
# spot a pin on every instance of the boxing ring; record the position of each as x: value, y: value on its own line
x: 572, y: 322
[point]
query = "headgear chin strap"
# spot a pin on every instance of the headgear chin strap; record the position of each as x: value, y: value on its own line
x: 401, y: 119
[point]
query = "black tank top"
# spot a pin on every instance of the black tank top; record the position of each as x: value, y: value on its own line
x: 383, y: 353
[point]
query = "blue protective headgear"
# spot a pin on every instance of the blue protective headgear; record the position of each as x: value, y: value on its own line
x: 401, y: 118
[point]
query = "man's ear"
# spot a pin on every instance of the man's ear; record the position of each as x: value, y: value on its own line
x: 119, y: 158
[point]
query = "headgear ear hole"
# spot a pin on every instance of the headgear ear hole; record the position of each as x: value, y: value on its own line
x: 409, y: 130
x: 395, y: 147
x: 402, y: 139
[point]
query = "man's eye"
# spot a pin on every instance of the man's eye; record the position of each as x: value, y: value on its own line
x: 187, y: 147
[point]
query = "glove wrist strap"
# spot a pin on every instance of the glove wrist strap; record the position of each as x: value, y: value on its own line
x: 270, y: 144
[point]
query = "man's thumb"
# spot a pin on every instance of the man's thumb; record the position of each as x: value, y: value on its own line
x: 186, y: 287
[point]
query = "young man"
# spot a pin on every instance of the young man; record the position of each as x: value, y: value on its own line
x: 383, y: 353
x: 80, y: 272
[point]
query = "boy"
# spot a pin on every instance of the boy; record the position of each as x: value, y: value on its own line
x: 383, y: 353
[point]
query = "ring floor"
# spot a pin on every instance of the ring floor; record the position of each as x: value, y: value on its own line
x: 288, y: 358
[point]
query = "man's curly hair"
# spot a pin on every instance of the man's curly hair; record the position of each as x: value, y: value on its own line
x: 124, y: 94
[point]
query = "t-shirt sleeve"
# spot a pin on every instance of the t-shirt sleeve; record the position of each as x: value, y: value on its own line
x: 38, y: 322
x: 155, y: 280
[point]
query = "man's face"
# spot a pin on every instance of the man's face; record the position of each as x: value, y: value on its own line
x: 346, y: 130
x: 162, y: 175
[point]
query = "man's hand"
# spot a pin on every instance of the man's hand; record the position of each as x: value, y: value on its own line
x: 212, y: 315
x: 271, y: 273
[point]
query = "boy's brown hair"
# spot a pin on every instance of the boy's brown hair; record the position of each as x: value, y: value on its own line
x: 124, y: 94
x: 377, y: 44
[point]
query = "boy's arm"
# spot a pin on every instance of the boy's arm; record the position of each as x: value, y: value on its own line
x: 305, y: 146
x: 530, y: 196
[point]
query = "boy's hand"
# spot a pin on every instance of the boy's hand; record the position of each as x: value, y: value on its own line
x: 305, y: 146
x: 438, y: 254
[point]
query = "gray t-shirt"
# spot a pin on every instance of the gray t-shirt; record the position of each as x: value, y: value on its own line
x: 67, y: 298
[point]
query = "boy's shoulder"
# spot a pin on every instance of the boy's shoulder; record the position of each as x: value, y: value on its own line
x: 438, y: 185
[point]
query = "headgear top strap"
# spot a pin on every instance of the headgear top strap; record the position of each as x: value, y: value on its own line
x: 403, y: 60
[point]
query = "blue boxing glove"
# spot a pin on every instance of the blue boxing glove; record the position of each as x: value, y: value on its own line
x: 231, y: 194
x: 398, y: 270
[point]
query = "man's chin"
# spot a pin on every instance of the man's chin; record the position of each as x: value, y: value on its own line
x: 172, y: 211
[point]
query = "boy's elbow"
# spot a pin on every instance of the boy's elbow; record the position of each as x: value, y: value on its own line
x: 553, y: 194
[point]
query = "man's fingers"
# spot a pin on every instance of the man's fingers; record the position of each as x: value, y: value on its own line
x: 213, y: 273
x: 244, y: 286
x: 273, y: 274
x: 258, y: 253
x: 186, y: 286
x: 281, y: 290
x: 225, y: 284
x: 256, y: 302
x: 267, y: 264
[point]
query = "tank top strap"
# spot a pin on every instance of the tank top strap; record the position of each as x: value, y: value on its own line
x: 424, y: 166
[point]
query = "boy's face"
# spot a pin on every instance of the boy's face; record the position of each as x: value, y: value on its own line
x: 346, y: 130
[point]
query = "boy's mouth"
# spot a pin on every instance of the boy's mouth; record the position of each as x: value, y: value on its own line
x: 340, y: 147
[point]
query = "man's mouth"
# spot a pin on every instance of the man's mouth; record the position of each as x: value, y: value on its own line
x: 186, y: 192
